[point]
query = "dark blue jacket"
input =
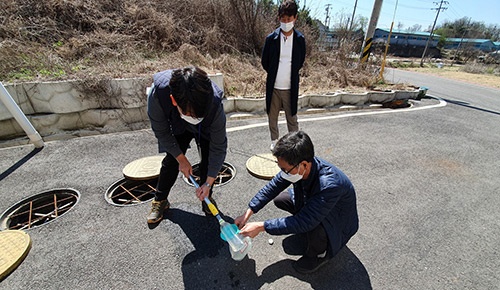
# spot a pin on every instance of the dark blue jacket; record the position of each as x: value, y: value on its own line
x: 270, y: 61
x: 166, y: 122
x: 327, y: 196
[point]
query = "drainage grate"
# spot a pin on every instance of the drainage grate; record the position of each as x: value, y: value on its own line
x: 127, y: 192
x: 226, y: 174
x: 39, y: 209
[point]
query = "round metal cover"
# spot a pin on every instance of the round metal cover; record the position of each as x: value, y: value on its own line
x: 264, y: 166
x: 226, y: 174
x: 14, y: 247
x: 39, y: 209
x: 143, y: 168
x: 126, y: 192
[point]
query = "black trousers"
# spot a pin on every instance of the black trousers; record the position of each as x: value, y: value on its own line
x: 170, y: 167
x: 317, y: 239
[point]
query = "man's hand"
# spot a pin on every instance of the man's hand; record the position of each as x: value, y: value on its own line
x: 204, y: 190
x: 242, y: 219
x: 252, y: 229
x: 184, y: 165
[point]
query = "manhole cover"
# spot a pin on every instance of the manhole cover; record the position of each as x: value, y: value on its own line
x: 226, y: 174
x: 144, y: 168
x: 126, y: 192
x: 14, y: 247
x: 264, y: 166
x: 39, y: 209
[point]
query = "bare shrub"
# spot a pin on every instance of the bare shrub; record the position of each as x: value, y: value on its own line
x: 337, y: 69
x: 55, y: 39
x: 98, y: 46
x: 190, y: 55
x: 241, y: 76
x: 474, y: 68
x: 154, y: 29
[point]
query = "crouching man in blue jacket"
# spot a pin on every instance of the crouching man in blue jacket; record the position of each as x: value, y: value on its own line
x: 322, y: 203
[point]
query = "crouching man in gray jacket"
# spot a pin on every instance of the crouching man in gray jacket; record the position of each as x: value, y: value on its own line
x: 322, y: 202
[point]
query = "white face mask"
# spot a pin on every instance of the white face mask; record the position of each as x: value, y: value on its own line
x: 286, y: 27
x: 191, y: 120
x: 292, y: 177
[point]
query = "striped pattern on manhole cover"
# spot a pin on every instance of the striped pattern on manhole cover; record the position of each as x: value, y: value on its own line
x: 144, y: 168
x: 39, y: 209
x: 225, y: 175
x: 14, y: 247
x: 264, y: 166
x: 126, y: 192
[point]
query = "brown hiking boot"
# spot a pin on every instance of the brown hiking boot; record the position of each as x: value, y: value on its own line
x: 157, y: 208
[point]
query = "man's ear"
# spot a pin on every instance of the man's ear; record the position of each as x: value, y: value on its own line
x: 305, y: 164
x: 173, y: 100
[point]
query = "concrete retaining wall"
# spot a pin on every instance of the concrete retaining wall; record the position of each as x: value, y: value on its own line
x: 104, y: 106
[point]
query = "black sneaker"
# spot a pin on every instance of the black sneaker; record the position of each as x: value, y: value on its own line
x: 308, y: 265
x: 205, y: 208
x: 157, y: 208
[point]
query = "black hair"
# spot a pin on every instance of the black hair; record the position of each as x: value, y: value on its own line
x: 288, y: 8
x: 294, y: 148
x: 192, y: 90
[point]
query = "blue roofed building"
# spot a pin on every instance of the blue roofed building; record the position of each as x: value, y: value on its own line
x: 400, y: 37
x: 485, y: 45
x: 407, y: 44
x: 497, y: 45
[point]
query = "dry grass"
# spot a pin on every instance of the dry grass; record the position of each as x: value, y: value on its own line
x: 84, y: 39
x: 457, y: 72
x: 99, y: 40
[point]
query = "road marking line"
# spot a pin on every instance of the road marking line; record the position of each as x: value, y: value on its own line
x: 442, y: 103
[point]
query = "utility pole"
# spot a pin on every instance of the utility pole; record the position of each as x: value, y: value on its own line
x: 432, y: 30
x: 387, y: 43
x: 377, y: 6
x: 353, y: 12
x: 327, y: 19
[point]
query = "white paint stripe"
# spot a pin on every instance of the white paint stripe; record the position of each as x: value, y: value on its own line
x: 442, y: 103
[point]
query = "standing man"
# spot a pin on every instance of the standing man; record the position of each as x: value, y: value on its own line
x: 322, y: 203
x: 184, y: 104
x: 282, y: 57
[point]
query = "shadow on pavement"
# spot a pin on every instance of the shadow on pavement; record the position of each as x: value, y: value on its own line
x: 344, y: 271
x: 202, y: 232
x: 19, y: 163
x: 210, y: 265
x: 467, y: 105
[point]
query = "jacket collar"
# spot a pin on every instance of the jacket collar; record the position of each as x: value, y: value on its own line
x: 313, y: 175
x: 277, y: 33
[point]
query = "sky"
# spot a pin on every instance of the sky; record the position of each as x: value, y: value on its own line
x: 409, y: 12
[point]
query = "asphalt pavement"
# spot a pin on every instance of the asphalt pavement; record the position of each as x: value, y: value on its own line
x: 427, y: 186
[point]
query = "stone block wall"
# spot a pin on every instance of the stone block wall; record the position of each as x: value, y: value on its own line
x: 105, y: 106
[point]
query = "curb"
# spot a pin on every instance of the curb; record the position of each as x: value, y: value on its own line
x: 64, y: 110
